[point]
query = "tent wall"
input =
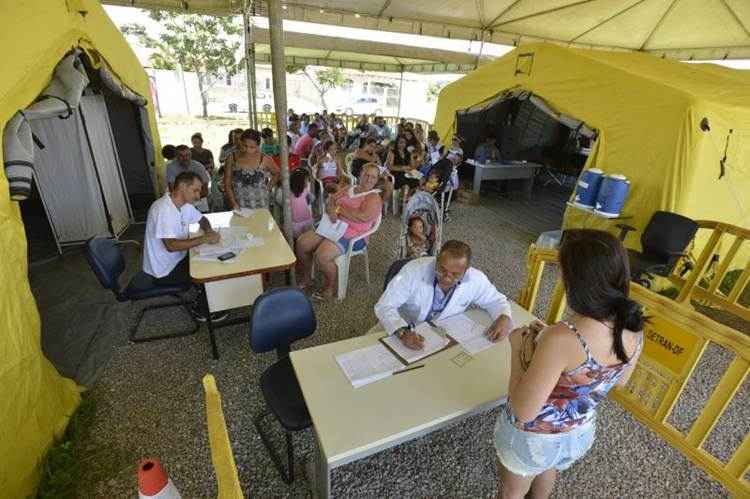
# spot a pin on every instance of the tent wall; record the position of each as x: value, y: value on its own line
x: 36, y: 401
x: 647, y: 111
x: 126, y: 127
x: 67, y: 180
x: 107, y: 162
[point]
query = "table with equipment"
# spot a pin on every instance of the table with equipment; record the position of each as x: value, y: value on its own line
x: 504, y: 170
x: 237, y: 282
x: 353, y: 423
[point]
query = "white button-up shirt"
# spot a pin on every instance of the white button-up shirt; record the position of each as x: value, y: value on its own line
x: 409, y: 296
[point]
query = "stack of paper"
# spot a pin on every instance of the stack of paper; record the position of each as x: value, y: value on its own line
x: 433, y: 342
x: 470, y: 335
x: 234, y: 239
x: 369, y: 364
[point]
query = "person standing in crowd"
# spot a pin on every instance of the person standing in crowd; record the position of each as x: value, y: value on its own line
x: 428, y: 288
x: 359, y: 207
x: 183, y: 162
x: 269, y: 147
x: 560, y: 373
x: 249, y: 174
x: 304, y: 145
x: 232, y: 145
x: 294, y: 131
x: 201, y: 155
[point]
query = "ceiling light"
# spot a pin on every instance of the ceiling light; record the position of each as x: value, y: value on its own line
x: 322, y: 11
x: 357, y: 16
x: 283, y: 7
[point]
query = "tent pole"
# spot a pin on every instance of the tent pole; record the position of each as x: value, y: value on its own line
x: 278, y: 71
x: 481, y: 49
x: 249, y: 63
x: 400, y: 91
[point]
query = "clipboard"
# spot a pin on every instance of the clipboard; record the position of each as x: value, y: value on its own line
x: 406, y: 362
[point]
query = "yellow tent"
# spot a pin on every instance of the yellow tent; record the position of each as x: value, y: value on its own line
x: 36, y: 401
x: 648, y: 112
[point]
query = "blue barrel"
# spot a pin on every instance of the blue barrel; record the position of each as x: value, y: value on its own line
x: 588, y: 188
x: 612, y: 194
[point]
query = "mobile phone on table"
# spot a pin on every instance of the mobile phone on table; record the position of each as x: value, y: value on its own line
x: 226, y: 256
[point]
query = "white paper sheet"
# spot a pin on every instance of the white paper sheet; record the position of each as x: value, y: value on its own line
x: 470, y: 335
x: 234, y: 239
x: 367, y: 365
x: 433, y: 341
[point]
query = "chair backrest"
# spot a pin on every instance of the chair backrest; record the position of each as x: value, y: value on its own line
x: 667, y: 233
x: 222, y: 457
x: 280, y: 317
x: 394, y: 269
x: 106, y: 260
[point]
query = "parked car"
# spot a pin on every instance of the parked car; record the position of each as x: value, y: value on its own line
x: 364, y: 105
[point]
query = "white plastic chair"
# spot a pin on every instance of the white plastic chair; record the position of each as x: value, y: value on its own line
x: 343, y: 261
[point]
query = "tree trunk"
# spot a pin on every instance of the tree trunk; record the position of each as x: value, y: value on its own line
x: 203, y: 92
x: 321, y: 92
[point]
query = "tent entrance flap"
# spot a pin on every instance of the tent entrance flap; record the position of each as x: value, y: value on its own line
x: 527, y: 128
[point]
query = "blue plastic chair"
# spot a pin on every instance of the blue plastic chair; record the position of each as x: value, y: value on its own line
x: 107, y: 262
x: 280, y: 317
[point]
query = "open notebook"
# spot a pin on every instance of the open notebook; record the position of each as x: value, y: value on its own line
x: 434, y: 341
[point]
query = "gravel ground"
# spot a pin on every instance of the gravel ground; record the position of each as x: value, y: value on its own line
x: 150, y: 401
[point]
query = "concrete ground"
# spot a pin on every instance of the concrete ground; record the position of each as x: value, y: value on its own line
x: 149, y: 399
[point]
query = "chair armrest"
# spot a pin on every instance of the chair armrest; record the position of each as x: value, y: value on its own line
x: 624, y: 229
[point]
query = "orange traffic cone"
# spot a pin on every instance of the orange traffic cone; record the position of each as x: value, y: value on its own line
x: 153, y: 482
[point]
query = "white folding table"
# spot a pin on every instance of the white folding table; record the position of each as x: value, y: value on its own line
x: 508, y: 170
x: 351, y: 424
x: 238, y: 282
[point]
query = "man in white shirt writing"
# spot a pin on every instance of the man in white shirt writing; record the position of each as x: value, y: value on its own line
x: 167, y: 239
x: 429, y: 288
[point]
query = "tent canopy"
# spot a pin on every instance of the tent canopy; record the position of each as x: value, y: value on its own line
x: 684, y: 29
x: 648, y: 112
x: 306, y: 49
x: 36, y: 401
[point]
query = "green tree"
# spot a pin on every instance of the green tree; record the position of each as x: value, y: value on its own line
x: 434, y: 89
x: 206, y: 45
x: 323, y: 80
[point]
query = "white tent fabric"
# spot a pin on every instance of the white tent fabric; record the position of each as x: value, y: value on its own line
x: 60, y: 98
x: 66, y: 178
x: 678, y: 29
x: 107, y: 164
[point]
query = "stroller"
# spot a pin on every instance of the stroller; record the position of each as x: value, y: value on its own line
x: 447, y: 175
x: 423, y: 205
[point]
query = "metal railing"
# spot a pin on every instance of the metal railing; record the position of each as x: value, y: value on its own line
x: 708, y: 282
x: 350, y: 121
x: 675, y: 339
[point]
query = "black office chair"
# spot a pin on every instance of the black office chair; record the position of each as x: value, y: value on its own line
x: 394, y: 269
x: 280, y: 317
x: 107, y: 263
x: 664, y: 241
